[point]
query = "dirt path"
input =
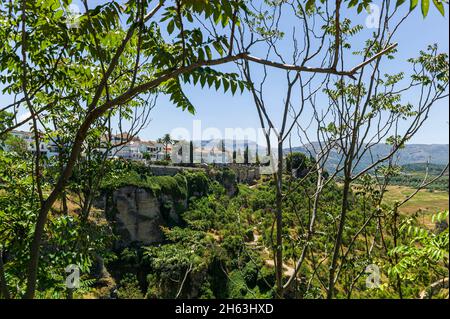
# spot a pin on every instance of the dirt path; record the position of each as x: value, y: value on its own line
x: 287, y: 270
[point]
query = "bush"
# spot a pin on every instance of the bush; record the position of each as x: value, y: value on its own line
x: 197, y: 183
x: 233, y: 245
x: 205, y: 291
x: 161, y: 163
x: 249, y: 235
x: 237, y: 288
x: 250, y: 273
x: 266, y: 278
x: 158, y: 185
x: 129, y: 288
x: 298, y: 163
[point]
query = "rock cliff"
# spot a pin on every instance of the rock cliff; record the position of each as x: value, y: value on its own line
x: 138, y: 208
x: 137, y: 214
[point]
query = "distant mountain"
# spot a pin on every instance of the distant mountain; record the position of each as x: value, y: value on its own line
x: 411, y: 154
x: 433, y: 169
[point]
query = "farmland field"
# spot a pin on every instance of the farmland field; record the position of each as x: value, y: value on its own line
x: 426, y: 202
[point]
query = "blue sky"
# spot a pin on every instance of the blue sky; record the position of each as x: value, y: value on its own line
x: 221, y: 111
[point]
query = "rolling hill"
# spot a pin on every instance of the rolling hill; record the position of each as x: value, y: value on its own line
x: 412, y: 154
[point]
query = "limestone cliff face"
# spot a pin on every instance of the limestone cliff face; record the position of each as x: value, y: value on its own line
x: 246, y: 174
x: 139, y: 208
x: 138, y: 215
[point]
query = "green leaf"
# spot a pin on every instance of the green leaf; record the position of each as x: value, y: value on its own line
x: 218, y: 48
x: 310, y: 5
x: 233, y: 87
x: 352, y: 3
x: 59, y: 14
x: 399, y: 3
x: 413, y: 4
x: 171, y: 26
x: 226, y: 84
x: 425, y: 7
x: 208, y: 52
x: 440, y: 6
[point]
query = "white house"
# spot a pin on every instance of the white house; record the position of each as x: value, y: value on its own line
x: 133, y: 148
x: 46, y: 148
x: 212, y: 155
x: 137, y: 149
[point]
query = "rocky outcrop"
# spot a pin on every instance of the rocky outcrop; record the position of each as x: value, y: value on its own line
x: 158, y: 170
x: 246, y: 174
x: 138, y: 208
x: 137, y: 214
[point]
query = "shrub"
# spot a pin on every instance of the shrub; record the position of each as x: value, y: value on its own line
x: 161, y: 163
x: 129, y: 288
x: 237, y: 288
x: 266, y: 278
x: 250, y: 273
x: 197, y: 183
x: 297, y: 161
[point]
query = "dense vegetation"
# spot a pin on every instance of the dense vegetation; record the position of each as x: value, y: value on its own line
x: 306, y: 229
x: 413, y: 175
x: 221, y: 250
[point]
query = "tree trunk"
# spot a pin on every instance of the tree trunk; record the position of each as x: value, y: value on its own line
x: 279, y: 222
x: 3, y: 286
x: 43, y: 212
x: 338, y: 242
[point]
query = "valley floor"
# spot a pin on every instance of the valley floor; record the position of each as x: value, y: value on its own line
x: 425, y: 202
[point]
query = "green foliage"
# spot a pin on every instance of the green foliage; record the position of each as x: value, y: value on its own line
x: 78, y: 77
x: 126, y: 175
x: 18, y: 211
x: 424, y: 5
x: 162, y: 163
x: 250, y: 274
x: 266, y: 279
x: 19, y: 206
x: 197, y: 182
x: 16, y: 145
x: 129, y: 288
x: 422, y: 251
x: 298, y: 162
x: 435, y: 68
x: 216, y: 254
x: 188, y: 251
x: 237, y: 288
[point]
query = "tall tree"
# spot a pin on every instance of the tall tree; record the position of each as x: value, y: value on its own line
x: 327, y: 38
x: 166, y: 140
x: 112, y: 59
x: 99, y: 67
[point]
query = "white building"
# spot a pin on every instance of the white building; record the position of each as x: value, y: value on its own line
x: 138, y: 150
x: 128, y: 147
x: 46, y: 148
x: 213, y: 155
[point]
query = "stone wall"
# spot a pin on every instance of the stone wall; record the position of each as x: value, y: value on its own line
x: 158, y: 170
x: 244, y: 174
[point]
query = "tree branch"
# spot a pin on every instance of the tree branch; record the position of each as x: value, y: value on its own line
x: 290, y: 67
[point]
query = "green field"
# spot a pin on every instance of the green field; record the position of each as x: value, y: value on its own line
x: 425, y: 202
